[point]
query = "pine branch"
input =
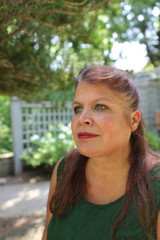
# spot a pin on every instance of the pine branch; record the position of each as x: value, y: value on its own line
x: 76, y: 3
x: 31, y: 19
x: 99, y: 5
x: 33, y: 60
x: 29, y: 34
x: 10, y: 36
x: 19, y: 76
x: 57, y: 28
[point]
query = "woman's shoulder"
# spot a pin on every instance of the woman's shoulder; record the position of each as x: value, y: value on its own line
x: 155, y: 171
x: 153, y: 164
x: 155, y: 177
x: 153, y: 160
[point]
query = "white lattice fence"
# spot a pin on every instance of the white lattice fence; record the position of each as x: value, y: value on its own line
x: 29, y: 119
x: 37, y: 119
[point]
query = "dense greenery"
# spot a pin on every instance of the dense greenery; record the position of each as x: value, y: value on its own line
x: 44, y: 44
x: 5, y: 125
x: 153, y: 140
x: 36, y: 53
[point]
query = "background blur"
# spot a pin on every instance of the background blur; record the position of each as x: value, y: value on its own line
x: 43, y: 45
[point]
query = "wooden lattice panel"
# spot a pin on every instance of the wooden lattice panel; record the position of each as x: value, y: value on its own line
x: 39, y: 119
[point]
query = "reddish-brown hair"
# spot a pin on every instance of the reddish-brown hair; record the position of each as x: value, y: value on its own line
x: 72, y: 184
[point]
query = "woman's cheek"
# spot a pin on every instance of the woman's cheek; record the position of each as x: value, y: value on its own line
x: 73, y: 125
x: 107, y: 122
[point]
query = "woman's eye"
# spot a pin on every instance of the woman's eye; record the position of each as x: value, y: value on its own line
x: 77, y: 109
x: 100, y: 107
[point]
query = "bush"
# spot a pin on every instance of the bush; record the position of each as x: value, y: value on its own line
x: 5, y: 139
x: 5, y: 125
x: 50, y: 148
x: 153, y: 140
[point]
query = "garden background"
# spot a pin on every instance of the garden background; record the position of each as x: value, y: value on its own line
x: 43, y: 45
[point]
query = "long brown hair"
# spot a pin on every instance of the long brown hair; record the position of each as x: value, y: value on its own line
x: 72, y: 184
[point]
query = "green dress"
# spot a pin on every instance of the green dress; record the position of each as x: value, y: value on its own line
x: 88, y: 221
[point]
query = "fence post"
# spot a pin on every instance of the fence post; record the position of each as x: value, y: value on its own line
x: 17, y: 134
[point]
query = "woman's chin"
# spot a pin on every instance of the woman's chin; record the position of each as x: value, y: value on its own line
x: 87, y: 153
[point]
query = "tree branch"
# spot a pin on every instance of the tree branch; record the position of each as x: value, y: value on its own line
x: 50, y: 24
x: 33, y: 60
x: 12, y: 84
x: 60, y: 30
x: 19, y: 76
x: 29, y: 34
x: 69, y: 13
x: 12, y: 34
x: 31, y: 19
x: 76, y: 3
x: 98, y: 4
x: 13, y: 87
x: 150, y: 55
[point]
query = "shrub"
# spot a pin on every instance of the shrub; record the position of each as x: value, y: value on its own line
x: 50, y: 148
x: 5, y: 125
x: 5, y: 139
x: 153, y: 140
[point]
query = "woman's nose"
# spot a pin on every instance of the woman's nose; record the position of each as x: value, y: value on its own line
x: 85, y: 118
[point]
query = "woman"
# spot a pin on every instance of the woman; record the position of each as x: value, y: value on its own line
x: 109, y: 187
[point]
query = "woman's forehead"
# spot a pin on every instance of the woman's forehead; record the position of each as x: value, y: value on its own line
x: 97, y: 91
x: 98, y: 88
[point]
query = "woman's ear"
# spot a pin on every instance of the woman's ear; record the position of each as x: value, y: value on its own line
x: 135, y: 119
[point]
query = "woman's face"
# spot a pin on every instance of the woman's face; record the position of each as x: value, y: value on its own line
x: 102, y: 122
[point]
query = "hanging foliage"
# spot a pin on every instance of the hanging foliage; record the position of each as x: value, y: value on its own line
x: 33, y: 34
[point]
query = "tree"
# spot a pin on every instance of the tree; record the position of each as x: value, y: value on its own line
x: 133, y: 21
x: 144, y: 26
x: 33, y: 34
x: 45, y: 43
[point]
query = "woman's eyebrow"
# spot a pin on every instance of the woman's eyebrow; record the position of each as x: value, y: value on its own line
x: 104, y: 99
x: 96, y: 100
x: 75, y: 102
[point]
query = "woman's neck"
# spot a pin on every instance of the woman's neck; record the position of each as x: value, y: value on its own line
x: 101, y: 171
x: 105, y: 180
x: 107, y: 168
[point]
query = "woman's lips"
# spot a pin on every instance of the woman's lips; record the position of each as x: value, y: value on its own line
x: 86, y: 135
